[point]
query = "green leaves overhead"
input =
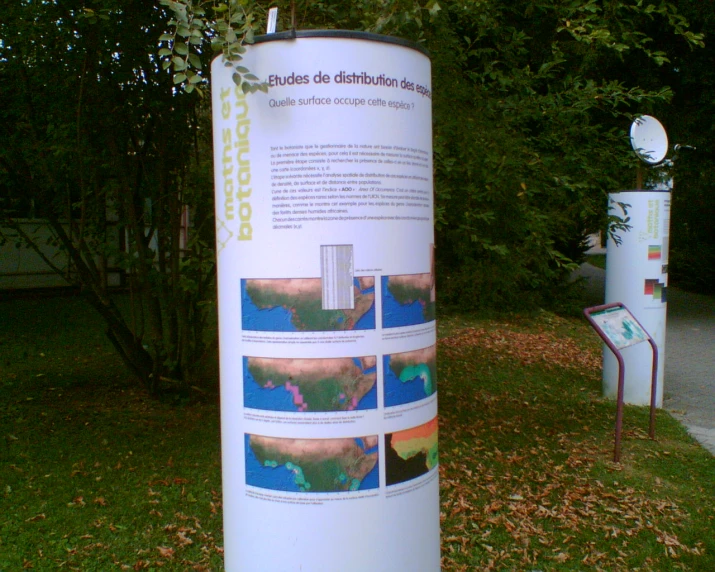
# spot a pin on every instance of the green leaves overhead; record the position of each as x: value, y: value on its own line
x: 226, y: 27
x: 96, y: 137
x: 532, y: 99
x: 181, y: 49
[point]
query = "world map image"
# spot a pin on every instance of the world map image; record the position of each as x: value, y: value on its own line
x: 312, y: 465
x: 410, y: 376
x: 295, y: 305
x: 408, y: 300
x: 310, y: 385
x: 411, y: 453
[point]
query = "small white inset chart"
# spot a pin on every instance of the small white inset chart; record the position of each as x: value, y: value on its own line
x: 336, y: 273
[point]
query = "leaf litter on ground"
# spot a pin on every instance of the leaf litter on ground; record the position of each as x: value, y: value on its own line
x: 526, y: 489
x: 106, y: 477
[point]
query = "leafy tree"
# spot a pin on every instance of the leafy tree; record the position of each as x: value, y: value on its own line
x: 688, y: 117
x: 94, y: 134
x: 540, y: 138
x: 531, y: 103
x: 690, y: 120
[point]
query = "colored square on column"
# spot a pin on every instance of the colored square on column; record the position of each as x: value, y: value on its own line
x: 655, y: 289
x: 654, y: 252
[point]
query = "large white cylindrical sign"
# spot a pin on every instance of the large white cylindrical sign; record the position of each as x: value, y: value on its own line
x: 637, y: 276
x: 324, y: 230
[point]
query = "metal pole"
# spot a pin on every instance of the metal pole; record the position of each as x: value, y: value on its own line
x: 639, y: 177
x: 619, y: 409
x: 653, y: 386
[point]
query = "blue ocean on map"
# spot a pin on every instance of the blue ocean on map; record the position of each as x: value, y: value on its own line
x: 395, y: 314
x: 367, y: 321
x: 280, y: 319
x: 282, y: 478
x: 398, y: 392
x: 372, y: 479
x: 277, y: 319
x: 278, y: 478
x: 257, y: 397
x: 280, y: 399
x: 369, y: 401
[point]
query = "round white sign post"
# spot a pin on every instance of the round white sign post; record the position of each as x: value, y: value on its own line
x: 324, y: 230
x: 637, y: 268
x: 649, y: 140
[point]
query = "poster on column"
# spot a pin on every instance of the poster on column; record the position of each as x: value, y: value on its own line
x: 325, y: 244
x: 637, y: 276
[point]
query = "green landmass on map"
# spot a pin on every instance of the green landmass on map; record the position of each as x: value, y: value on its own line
x: 325, y: 384
x: 419, y: 363
x: 431, y: 451
x: 410, y: 293
x: 422, y: 440
x: 320, y: 465
x: 304, y: 301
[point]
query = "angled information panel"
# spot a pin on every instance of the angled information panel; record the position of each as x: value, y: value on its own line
x: 619, y: 326
x: 616, y: 326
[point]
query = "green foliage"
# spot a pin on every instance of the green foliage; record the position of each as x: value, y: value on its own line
x: 97, y: 139
x: 225, y: 25
x: 691, y: 121
x: 531, y: 104
x: 597, y: 260
x: 530, y: 117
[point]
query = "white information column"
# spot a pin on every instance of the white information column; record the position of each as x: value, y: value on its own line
x: 637, y: 276
x: 324, y: 221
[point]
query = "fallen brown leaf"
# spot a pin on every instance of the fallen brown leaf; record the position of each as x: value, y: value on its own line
x: 165, y: 552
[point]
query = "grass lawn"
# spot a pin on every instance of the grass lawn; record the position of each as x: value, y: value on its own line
x: 598, y: 260
x: 95, y: 476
